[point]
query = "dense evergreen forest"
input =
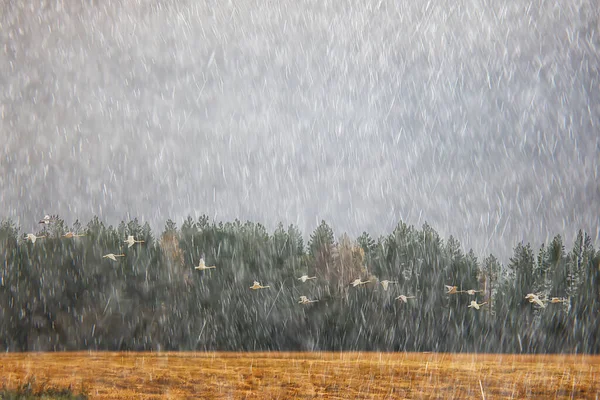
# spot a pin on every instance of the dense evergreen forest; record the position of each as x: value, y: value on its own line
x: 60, y: 293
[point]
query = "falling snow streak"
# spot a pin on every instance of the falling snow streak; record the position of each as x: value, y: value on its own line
x: 480, y: 118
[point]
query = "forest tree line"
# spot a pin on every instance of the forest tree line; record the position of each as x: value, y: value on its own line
x: 59, y: 293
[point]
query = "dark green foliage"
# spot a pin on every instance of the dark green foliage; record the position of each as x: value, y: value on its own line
x: 490, y: 275
x: 61, y: 294
x: 321, y: 239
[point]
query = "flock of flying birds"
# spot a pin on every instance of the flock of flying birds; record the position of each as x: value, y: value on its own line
x: 533, y: 298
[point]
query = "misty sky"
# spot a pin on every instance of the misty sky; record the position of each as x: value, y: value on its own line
x: 480, y: 117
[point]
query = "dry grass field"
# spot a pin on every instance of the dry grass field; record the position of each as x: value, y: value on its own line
x: 309, y: 375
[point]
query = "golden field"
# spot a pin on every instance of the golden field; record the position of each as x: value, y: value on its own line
x: 278, y: 375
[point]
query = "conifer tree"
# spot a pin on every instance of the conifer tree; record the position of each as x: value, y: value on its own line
x: 321, y: 249
x: 558, y: 267
x: 491, y: 273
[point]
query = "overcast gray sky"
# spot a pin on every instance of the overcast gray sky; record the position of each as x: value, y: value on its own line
x: 480, y: 117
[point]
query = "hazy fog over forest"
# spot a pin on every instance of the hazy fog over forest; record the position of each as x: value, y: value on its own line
x: 480, y: 117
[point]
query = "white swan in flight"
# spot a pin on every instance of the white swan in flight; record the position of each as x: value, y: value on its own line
x: 32, y: 237
x: 305, y: 300
x: 453, y: 289
x: 131, y: 241
x: 534, y: 298
x: 476, y: 305
x: 358, y: 282
x: 304, y: 278
x: 113, y: 256
x: 257, y: 286
x: 47, y: 219
x: 404, y: 298
x: 555, y: 300
x: 70, y: 235
x: 202, y: 266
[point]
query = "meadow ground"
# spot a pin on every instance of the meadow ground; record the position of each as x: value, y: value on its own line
x: 349, y: 375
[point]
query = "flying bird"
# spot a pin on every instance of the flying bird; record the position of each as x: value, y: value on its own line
x: 385, y: 284
x: 555, y: 300
x: 304, y: 278
x: 70, y: 235
x: 201, y: 266
x: 404, y: 298
x: 113, y: 256
x: 32, y: 237
x: 453, y: 289
x: 47, y: 219
x: 305, y: 300
x: 534, y: 298
x: 358, y: 282
x: 257, y: 286
x: 131, y: 241
x: 473, y: 291
x: 475, y: 305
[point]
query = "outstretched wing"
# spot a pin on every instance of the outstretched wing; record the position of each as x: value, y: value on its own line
x: 540, y: 303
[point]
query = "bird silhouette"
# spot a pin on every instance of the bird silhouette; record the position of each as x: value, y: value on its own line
x: 47, y: 219
x: 453, y: 289
x: 305, y: 300
x: 475, y: 305
x: 534, y: 298
x: 304, y: 278
x: 131, y: 241
x: 257, y: 286
x: 555, y: 300
x: 404, y: 298
x: 113, y: 256
x: 202, y: 266
x: 70, y: 235
x: 33, y: 238
x: 358, y: 282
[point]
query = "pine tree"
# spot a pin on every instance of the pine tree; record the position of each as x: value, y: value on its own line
x: 522, y: 264
x: 95, y: 229
x: 574, y: 263
x: 542, y: 275
x: 558, y: 267
x: 399, y: 252
x: 429, y: 259
x: 145, y: 233
x: 321, y: 249
x: 322, y: 239
x: 296, y: 241
x: 472, y: 270
x: 280, y: 243
x: 368, y: 245
x: 585, y: 305
x: 169, y: 244
x: 189, y: 226
x: 203, y: 222
x: 349, y: 262
x: 491, y: 272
